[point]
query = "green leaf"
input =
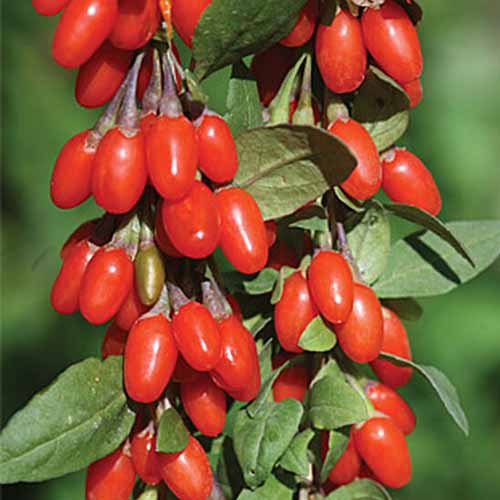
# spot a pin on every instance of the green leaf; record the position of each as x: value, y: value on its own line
x: 264, y: 395
x: 243, y: 104
x: 428, y: 221
x: 334, y: 402
x: 79, y: 418
x: 258, y: 284
x: 228, y: 471
x: 381, y: 105
x: 149, y: 493
x: 370, y: 241
x: 286, y: 166
x: 386, y: 132
x: 295, y: 458
x: 257, y: 323
x: 228, y: 30
x: 442, y: 385
x: 257, y: 312
x: 231, y: 415
x: 330, y: 369
x: 337, y: 444
x: 260, y: 442
x: 265, y: 350
x: 270, y: 377
x: 284, y: 273
x: 173, y: 435
x: 360, y: 489
x: 423, y: 265
x: 262, y: 283
x: 317, y: 336
x: 408, y: 309
x: 355, y: 205
x: 272, y: 489
x: 279, y: 109
x: 311, y: 218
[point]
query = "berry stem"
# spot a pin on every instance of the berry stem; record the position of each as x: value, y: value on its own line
x: 128, y: 235
x: 345, y: 250
x: 176, y: 296
x: 169, y: 104
x: 216, y: 493
x: 304, y: 114
x: 334, y: 108
x: 129, y: 117
x: 162, y: 306
x: 108, y: 118
x: 152, y: 95
x: 214, y: 300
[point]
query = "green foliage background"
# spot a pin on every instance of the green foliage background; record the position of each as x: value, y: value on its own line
x: 455, y: 131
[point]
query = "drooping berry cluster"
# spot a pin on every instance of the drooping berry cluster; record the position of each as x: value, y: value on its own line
x: 388, y: 35
x: 161, y: 174
x: 162, y: 166
x: 331, y: 285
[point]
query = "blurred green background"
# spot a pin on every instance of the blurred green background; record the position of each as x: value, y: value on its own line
x: 456, y: 132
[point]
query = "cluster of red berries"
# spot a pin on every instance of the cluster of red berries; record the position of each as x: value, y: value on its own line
x: 113, y: 270
x: 389, y: 35
x: 162, y: 173
x: 187, y: 473
x: 203, y: 358
x: 377, y: 448
x: 199, y: 352
x: 118, y: 158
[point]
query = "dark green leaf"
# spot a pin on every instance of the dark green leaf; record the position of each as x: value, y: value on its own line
x: 214, y: 447
x: 257, y: 323
x: 334, y: 402
x: 441, y: 384
x: 284, y: 273
x: 172, y: 435
x: 317, y: 336
x: 231, y: 29
x: 286, y: 166
x: 265, y: 352
x: 330, y: 369
x: 295, y: 458
x: 423, y: 265
x: 262, y: 283
x: 408, y: 309
x: 194, y: 88
x: 337, y: 443
x: 260, y: 442
x: 269, y: 377
x: 355, y: 205
x: 228, y: 471
x: 381, y: 106
x: 370, y: 242
x: 257, y: 312
x: 258, y: 284
x: 310, y: 219
x: 360, y: 489
x: 264, y: 395
x: 243, y: 104
x: 231, y: 415
x: 79, y: 418
x: 279, y: 109
x: 386, y: 132
x: 272, y: 489
x: 428, y: 221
